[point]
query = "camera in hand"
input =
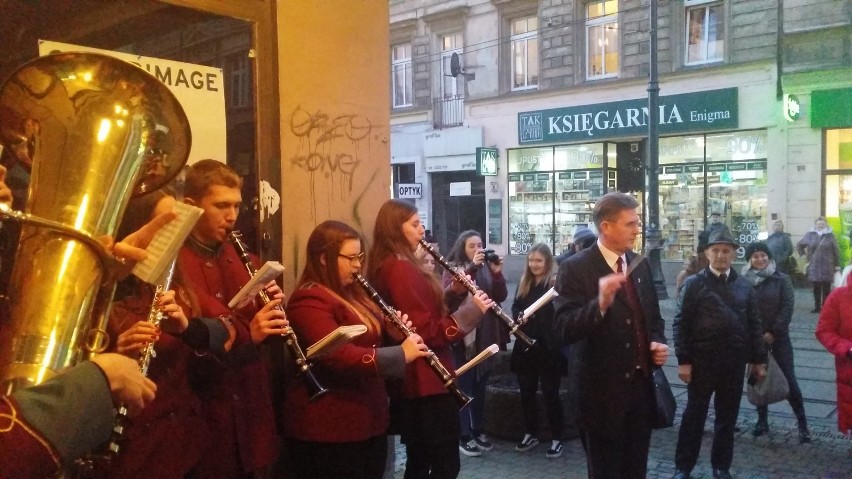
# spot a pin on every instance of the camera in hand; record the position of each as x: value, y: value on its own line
x: 491, y: 256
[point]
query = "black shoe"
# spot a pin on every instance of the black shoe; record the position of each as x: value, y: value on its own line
x: 761, y: 428
x: 681, y: 475
x: 804, y: 434
x: 721, y: 474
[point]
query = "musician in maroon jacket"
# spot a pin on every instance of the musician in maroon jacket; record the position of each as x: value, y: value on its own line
x: 343, y: 433
x: 237, y: 392
x: 424, y: 412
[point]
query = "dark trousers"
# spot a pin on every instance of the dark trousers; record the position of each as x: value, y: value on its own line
x: 330, y: 460
x: 821, y: 290
x: 782, y: 351
x: 727, y: 384
x: 474, y: 384
x: 429, y: 428
x: 625, y: 454
x: 528, y: 382
x: 432, y: 461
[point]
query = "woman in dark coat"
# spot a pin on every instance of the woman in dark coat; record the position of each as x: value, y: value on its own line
x: 820, y: 247
x: 775, y: 300
x: 544, y: 363
x: 781, y: 246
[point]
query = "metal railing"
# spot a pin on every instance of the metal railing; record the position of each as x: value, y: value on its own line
x: 448, y: 111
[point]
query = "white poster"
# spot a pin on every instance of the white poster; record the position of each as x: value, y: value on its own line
x: 199, y: 89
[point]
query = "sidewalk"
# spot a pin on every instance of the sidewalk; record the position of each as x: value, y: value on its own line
x: 776, y: 456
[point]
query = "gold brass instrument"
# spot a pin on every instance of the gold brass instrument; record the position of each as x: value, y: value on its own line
x: 102, y: 130
x: 432, y: 360
x: 514, y: 326
x: 312, y: 384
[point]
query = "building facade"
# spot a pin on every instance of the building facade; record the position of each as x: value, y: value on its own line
x: 559, y: 90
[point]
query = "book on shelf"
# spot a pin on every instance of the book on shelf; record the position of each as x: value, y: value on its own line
x: 334, y: 340
x: 269, y: 271
x: 163, y: 248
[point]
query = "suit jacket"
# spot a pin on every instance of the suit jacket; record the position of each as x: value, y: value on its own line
x: 608, y: 357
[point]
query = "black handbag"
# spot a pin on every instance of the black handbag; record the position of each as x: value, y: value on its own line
x: 665, y: 405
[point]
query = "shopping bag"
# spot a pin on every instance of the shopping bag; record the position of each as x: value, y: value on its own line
x: 771, y: 389
x: 665, y: 407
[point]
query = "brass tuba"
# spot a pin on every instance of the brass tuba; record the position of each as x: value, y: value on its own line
x: 96, y: 130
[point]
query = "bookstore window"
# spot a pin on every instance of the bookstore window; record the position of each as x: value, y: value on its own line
x: 721, y: 173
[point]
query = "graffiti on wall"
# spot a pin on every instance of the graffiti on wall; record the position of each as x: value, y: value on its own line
x: 331, y: 149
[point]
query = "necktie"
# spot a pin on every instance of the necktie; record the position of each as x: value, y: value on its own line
x: 724, y: 278
x: 637, y: 321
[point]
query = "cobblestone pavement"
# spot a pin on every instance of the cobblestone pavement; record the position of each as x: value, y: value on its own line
x: 776, y: 456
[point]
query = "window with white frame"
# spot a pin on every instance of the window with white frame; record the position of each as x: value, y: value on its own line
x: 450, y: 44
x: 524, y: 53
x: 401, y: 82
x: 602, y: 39
x: 239, y: 70
x: 705, y: 31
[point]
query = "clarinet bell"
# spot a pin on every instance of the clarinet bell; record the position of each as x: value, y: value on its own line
x: 461, y: 398
x: 312, y: 385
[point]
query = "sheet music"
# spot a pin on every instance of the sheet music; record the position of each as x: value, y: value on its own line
x: 544, y: 299
x: 166, y: 243
x: 269, y: 271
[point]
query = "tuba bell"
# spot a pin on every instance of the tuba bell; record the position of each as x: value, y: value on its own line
x: 99, y: 130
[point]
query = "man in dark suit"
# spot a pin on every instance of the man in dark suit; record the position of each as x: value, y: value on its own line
x: 617, y: 317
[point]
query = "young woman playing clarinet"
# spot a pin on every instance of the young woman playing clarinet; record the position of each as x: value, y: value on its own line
x: 425, y: 414
x: 342, y: 434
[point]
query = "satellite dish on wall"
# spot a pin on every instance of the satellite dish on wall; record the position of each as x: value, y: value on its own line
x: 456, y: 69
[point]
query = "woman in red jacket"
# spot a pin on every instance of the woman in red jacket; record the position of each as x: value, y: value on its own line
x: 343, y: 433
x: 834, y: 331
x: 425, y: 414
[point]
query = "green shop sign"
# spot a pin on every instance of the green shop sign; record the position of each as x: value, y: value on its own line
x: 702, y: 111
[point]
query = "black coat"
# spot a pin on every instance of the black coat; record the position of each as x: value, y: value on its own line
x: 545, y: 356
x: 608, y: 358
x: 775, y: 301
x: 717, y: 324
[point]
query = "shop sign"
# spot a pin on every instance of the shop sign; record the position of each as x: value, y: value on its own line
x: 595, y: 174
x: 668, y: 182
x: 409, y: 190
x: 694, y: 168
x: 792, y: 108
x: 831, y: 108
x: 756, y: 165
x: 514, y: 177
x: 486, y: 161
x: 736, y: 167
x: 701, y: 111
x: 672, y: 169
x: 712, y: 168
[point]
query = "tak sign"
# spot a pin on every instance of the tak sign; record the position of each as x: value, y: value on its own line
x: 409, y: 190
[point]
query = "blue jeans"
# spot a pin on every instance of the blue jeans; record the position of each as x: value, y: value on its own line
x: 474, y: 383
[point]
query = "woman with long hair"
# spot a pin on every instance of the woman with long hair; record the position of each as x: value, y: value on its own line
x: 344, y: 433
x: 544, y: 364
x: 487, y: 270
x: 424, y: 413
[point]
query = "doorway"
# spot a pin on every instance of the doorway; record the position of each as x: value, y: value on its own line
x: 454, y: 209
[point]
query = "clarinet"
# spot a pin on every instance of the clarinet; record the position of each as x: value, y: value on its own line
x: 312, y: 384
x: 514, y: 326
x: 432, y: 360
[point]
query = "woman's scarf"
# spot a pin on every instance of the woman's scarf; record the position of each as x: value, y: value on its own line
x: 823, y: 231
x: 756, y: 276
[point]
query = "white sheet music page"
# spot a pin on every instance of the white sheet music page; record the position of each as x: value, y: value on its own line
x: 166, y: 243
x: 269, y: 271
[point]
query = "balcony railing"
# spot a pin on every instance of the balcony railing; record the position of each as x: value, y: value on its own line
x: 448, y: 111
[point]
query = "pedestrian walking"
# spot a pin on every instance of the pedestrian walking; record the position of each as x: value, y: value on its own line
x: 820, y: 248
